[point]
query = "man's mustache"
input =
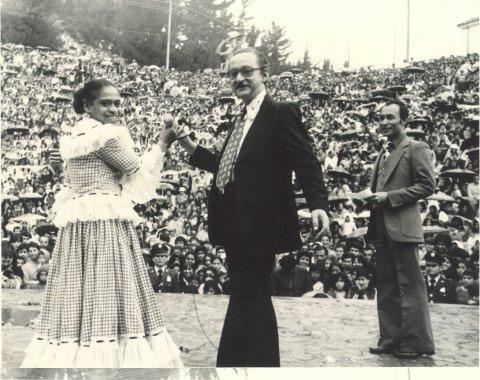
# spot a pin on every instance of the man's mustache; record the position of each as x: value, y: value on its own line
x: 241, y: 84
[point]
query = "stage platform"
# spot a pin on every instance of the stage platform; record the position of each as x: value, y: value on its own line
x: 313, y: 332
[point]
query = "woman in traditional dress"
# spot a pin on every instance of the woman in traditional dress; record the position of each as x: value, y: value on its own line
x: 99, y: 308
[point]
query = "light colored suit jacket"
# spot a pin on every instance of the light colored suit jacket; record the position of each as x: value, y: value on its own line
x: 408, y: 179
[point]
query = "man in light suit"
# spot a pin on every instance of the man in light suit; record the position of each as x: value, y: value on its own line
x: 252, y: 210
x: 402, y: 175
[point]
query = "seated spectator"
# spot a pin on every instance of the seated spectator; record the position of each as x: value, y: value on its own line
x: 211, y: 287
x: 361, y: 288
x: 12, y: 276
x: 290, y: 280
x: 31, y: 266
x: 42, y: 276
x: 465, y: 288
x: 340, y: 286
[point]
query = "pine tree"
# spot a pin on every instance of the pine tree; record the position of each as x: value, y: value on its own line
x: 275, y: 47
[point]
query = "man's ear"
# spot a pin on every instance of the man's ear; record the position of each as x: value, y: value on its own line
x: 265, y: 74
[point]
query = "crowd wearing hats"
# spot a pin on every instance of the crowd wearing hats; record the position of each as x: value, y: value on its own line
x: 339, y: 109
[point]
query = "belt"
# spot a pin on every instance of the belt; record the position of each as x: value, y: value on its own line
x: 95, y: 193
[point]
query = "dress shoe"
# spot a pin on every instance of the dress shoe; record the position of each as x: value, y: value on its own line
x: 411, y: 355
x: 380, y: 350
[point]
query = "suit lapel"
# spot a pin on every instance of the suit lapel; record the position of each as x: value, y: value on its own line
x: 395, y: 158
x: 258, y: 128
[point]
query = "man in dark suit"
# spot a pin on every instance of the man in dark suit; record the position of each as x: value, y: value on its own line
x: 252, y: 210
x: 402, y: 175
x: 439, y: 288
x: 164, y: 279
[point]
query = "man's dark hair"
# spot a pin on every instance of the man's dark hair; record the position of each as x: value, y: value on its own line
x: 262, y: 59
x: 348, y: 255
x: 402, y: 108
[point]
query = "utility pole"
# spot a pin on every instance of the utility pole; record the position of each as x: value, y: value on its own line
x: 468, y: 25
x: 408, y: 31
x: 169, y: 30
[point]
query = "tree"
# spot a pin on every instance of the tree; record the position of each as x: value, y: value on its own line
x: 326, y: 65
x: 306, y: 63
x: 30, y: 23
x: 275, y: 47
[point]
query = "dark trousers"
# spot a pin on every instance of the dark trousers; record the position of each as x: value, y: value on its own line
x: 250, y: 333
x: 402, y: 303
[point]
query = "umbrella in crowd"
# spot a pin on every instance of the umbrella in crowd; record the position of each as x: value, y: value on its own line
x: 434, y: 230
x: 362, y: 231
x: 10, y: 198
x: 286, y: 74
x: 227, y: 99
x: 348, y: 133
x: 441, y: 197
x: 9, y: 72
x: 49, y: 72
x: 15, y: 129
x: 382, y: 93
x: 30, y: 196
x: 460, y: 174
x: 60, y: 98
x: 414, y: 70
x: 397, y: 89
x: 318, y: 95
x: 30, y: 219
x: 304, y: 213
x: 339, y: 173
x: 414, y: 132
x: 49, y: 131
x: 336, y: 199
x: 44, y: 229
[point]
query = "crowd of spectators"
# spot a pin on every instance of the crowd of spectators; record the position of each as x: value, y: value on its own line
x: 340, y: 111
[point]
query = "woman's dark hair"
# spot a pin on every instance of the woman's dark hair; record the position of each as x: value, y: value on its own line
x: 212, y: 284
x: 343, y: 277
x: 88, y: 93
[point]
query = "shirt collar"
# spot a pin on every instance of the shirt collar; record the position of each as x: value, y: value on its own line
x: 254, y: 105
x: 398, y: 140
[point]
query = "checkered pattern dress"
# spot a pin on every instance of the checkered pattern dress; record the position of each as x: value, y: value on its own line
x: 99, y: 308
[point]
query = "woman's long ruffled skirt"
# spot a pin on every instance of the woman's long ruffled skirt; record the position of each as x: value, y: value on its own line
x: 99, y: 309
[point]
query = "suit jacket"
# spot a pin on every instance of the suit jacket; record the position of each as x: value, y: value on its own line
x: 275, y: 146
x: 409, y: 178
x: 166, y: 282
x: 443, y: 292
x: 294, y: 284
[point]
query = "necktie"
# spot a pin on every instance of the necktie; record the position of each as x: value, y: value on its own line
x: 432, y: 282
x: 230, y: 154
x: 388, y: 148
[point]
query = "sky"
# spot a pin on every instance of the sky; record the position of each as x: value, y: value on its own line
x: 375, y: 30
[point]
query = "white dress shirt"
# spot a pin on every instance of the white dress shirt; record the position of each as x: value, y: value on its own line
x: 252, y: 110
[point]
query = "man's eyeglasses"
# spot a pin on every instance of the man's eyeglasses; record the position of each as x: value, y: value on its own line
x: 246, y: 72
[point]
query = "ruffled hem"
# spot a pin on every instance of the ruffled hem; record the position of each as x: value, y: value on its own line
x: 92, y: 207
x: 141, y: 186
x: 154, y: 351
x: 90, y: 136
